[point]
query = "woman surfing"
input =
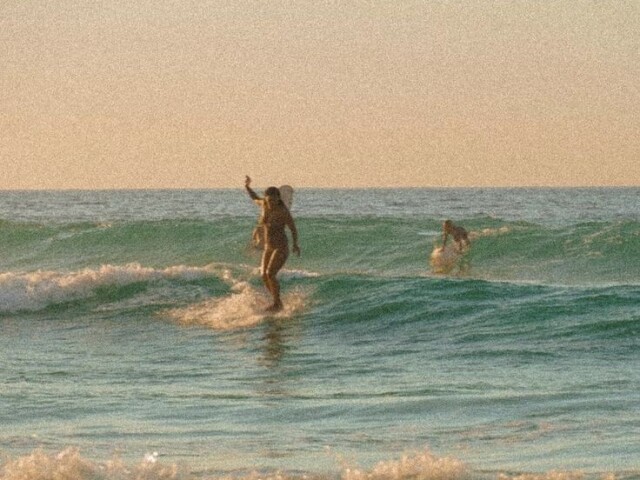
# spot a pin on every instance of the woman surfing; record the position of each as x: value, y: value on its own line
x: 275, y: 216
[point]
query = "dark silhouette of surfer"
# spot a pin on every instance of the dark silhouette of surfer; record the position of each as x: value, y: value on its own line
x: 275, y: 216
x: 459, y: 234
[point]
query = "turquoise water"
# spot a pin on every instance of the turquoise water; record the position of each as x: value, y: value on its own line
x: 134, y: 344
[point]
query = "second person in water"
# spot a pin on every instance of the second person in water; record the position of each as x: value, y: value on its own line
x: 459, y: 234
x: 275, y: 216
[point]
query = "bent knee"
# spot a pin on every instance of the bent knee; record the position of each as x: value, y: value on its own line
x: 270, y: 274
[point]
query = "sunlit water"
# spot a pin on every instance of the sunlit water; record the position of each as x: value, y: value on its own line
x: 135, y: 344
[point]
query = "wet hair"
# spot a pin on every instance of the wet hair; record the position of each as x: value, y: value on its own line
x: 272, y: 192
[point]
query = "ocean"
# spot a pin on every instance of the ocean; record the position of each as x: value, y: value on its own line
x: 134, y: 344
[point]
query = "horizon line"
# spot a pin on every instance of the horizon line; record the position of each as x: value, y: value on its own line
x: 472, y: 187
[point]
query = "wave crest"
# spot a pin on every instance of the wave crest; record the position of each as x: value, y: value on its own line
x: 33, y: 291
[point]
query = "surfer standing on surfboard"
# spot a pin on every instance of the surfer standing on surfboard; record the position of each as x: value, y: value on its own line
x: 274, y: 217
x: 459, y: 235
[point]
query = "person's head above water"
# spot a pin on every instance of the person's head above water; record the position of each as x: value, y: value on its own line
x: 272, y: 194
x: 448, y: 225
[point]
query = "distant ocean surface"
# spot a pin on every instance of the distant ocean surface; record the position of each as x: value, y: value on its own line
x: 134, y: 345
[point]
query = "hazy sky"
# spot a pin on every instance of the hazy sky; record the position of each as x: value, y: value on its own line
x: 196, y: 93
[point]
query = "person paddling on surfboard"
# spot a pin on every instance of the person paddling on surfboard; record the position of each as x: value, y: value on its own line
x: 458, y: 233
x: 274, y: 218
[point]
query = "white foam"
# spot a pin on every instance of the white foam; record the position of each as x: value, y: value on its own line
x: 33, y: 291
x: 287, y: 273
x: 70, y: 465
x: 245, y: 307
x: 551, y: 475
x: 419, y: 466
x: 444, y: 259
x: 488, y: 232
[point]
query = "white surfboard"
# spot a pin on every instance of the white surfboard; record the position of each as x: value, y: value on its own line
x: 286, y: 194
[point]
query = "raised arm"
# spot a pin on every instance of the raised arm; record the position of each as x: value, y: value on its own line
x: 254, y: 196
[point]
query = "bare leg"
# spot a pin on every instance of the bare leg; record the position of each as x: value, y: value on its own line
x: 275, y: 261
x: 264, y: 266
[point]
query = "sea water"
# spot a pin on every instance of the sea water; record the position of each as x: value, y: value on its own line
x: 133, y: 341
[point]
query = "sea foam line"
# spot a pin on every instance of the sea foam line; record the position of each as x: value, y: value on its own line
x: 69, y: 464
x: 32, y: 291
